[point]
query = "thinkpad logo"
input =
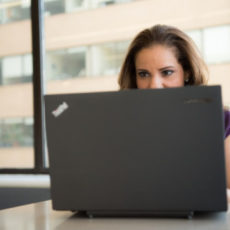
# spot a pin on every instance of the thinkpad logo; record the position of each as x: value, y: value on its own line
x: 60, y: 109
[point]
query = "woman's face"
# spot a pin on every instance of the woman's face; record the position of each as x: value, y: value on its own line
x: 157, y: 67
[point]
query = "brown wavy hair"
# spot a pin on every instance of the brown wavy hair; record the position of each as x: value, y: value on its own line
x: 185, y: 49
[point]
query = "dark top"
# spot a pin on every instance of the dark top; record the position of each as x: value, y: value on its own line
x: 227, y: 122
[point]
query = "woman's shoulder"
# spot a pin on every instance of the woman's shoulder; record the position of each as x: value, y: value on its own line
x: 227, y: 121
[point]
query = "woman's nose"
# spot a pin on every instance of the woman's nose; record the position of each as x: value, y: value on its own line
x: 156, y: 82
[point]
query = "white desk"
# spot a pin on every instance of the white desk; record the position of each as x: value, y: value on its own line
x: 41, y: 216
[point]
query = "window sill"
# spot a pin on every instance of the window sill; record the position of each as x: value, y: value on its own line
x: 25, y: 181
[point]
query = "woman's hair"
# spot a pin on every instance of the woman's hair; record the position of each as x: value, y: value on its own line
x: 184, y: 48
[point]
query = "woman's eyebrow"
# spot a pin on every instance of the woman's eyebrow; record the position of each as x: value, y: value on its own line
x: 140, y: 69
x: 167, y: 67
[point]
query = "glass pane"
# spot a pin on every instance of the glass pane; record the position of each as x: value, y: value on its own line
x: 16, y: 114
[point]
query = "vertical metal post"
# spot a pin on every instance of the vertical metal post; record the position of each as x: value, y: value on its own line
x: 38, y: 92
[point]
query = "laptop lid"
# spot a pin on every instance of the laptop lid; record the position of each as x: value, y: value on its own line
x: 137, y: 151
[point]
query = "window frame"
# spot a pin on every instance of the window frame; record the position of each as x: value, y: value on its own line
x: 37, y: 30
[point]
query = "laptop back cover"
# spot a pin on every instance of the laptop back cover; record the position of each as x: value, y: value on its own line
x: 137, y: 150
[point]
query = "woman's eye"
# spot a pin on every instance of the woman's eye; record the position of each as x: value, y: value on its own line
x: 167, y: 72
x: 143, y: 74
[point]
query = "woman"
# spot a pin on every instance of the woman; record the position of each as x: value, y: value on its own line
x: 164, y: 57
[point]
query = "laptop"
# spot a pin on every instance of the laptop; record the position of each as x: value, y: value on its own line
x: 137, y: 152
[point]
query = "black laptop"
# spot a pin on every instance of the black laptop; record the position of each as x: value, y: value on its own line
x: 137, y: 152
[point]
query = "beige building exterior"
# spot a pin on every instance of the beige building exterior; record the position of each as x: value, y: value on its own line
x: 113, y: 23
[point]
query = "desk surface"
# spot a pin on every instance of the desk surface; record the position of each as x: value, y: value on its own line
x: 41, y: 216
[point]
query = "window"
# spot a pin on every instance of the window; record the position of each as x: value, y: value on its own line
x: 91, y: 61
x: 16, y: 93
x: 78, y: 58
x: 216, y: 44
x: 12, y: 11
x: 12, y: 67
x: 16, y: 132
x: 196, y: 36
x: 106, y: 59
x: 16, y: 146
x: 16, y: 69
x: 66, y: 63
x: 53, y: 7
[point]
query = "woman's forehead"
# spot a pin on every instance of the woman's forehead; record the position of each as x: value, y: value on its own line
x: 156, y: 54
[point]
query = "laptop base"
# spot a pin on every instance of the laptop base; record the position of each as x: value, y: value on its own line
x: 179, y: 214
